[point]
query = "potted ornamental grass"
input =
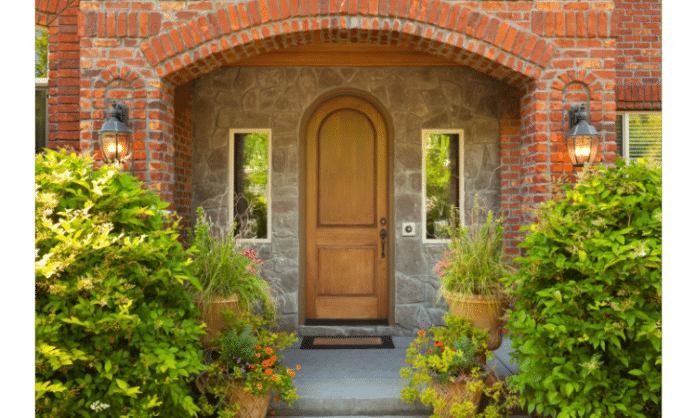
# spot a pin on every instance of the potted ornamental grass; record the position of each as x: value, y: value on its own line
x: 247, y: 369
x: 229, y: 278
x: 471, y: 274
x: 444, y: 370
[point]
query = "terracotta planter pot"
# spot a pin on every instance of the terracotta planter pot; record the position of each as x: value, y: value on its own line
x: 483, y: 312
x: 250, y: 405
x: 212, y: 310
x: 456, y: 392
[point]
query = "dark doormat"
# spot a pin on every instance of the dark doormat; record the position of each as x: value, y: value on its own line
x: 335, y: 343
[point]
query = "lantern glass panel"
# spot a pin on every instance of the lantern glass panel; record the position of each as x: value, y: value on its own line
x: 108, y: 143
x: 123, y: 149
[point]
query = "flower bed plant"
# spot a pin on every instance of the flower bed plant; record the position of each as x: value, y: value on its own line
x: 587, y: 327
x: 450, y: 355
x: 224, y: 268
x: 116, y: 333
x: 250, y: 357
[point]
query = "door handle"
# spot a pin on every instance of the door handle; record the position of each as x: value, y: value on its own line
x: 383, y: 235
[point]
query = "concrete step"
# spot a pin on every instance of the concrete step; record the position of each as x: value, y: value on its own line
x: 357, y: 382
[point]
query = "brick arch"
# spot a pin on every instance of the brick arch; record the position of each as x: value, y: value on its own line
x: 47, y: 11
x: 573, y: 88
x: 123, y: 85
x: 239, y: 31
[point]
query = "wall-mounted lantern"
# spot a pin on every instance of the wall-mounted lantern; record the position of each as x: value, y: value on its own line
x: 114, y: 136
x: 582, y: 140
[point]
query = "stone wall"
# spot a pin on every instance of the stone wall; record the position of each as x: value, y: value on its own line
x: 416, y: 98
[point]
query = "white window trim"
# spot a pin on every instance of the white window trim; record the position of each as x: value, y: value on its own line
x: 424, y: 135
x: 231, y: 159
x: 625, y: 129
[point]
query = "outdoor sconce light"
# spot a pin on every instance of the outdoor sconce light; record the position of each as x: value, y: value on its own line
x: 582, y: 139
x: 114, y: 136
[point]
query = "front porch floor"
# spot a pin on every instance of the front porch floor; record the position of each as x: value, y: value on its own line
x: 359, y: 382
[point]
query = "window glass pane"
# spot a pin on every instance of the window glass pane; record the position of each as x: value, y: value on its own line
x: 645, y: 136
x: 251, y: 185
x: 441, y: 182
x: 619, y: 136
x: 40, y: 120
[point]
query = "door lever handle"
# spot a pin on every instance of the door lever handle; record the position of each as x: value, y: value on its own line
x: 383, y: 235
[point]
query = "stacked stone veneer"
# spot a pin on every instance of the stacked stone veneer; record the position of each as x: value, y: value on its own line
x: 416, y: 98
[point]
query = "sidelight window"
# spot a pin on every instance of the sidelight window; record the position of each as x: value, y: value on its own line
x: 443, y: 187
x: 250, y: 180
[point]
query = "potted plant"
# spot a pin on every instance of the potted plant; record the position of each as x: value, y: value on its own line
x: 445, y: 360
x: 247, y: 369
x: 471, y: 274
x: 228, y: 276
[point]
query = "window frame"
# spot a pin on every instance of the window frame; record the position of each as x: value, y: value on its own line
x: 424, y: 134
x: 625, y: 143
x: 231, y: 159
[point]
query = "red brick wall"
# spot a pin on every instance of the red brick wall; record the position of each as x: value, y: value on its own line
x: 558, y: 53
x: 183, y: 155
x: 639, y: 54
x: 61, y: 18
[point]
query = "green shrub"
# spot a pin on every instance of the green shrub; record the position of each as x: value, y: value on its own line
x: 586, y: 330
x: 115, y: 329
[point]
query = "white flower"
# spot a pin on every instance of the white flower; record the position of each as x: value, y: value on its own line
x: 98, y: 406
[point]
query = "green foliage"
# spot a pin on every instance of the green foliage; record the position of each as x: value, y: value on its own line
x: 475, y: 264
x: 115, y: 330
x: 224, y: 268
x: 41, y: 51
x: 252, y: 205
x: 587, y: 326
x: 446, y: 355
x: 251, y: 358
x: 240, y: 345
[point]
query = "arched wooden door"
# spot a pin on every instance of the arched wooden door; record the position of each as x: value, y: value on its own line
x: 346, y: 211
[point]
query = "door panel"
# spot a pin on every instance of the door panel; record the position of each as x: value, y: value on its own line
x: 346, y: 173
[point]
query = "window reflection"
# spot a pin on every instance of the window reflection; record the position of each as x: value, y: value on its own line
x: 251, y: 189
x: 441, y: 182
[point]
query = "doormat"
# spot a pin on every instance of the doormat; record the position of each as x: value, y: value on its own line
x: 335, y: 343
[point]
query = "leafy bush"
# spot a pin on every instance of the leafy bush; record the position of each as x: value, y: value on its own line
x: 587, y: 330
x: 115, y: 329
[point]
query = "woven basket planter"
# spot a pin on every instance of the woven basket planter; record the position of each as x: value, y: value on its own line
x: 484, y: 312
x: 212, y: 310
x: 456, y: 392
x: 250, y: 405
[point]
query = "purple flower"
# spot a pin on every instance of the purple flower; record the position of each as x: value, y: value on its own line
x: 243, y: 370
x: 239, y: 360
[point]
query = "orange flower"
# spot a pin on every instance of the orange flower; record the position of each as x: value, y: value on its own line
x: 298, y: 367
x: 292, y: 374
x: 272, y: 412
x: 269, y: 351
x: 253, y: 366
x: 265, y: 363
x: 274, y: 377
x: 269, y: 372
x: 260, y: 386
x: 273, y: 359
x: 258, y: 347
x: 429, y: 351
x: 421, y: 333
x: 439, y: 343
x: 288, y: 370
x: 452, y: 349
x: 258, y: 354
x: 276, y: 399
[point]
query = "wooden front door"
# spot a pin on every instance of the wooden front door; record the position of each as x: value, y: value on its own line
x: 346, y: 209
